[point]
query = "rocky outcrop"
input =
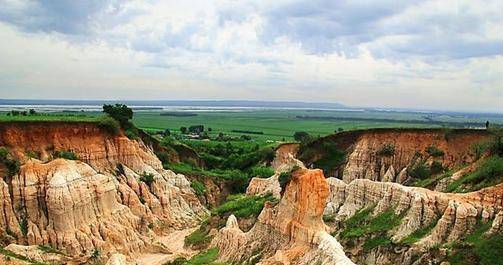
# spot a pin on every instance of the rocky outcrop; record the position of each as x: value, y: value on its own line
x: 115, y: 198
x: 367, y: 161
x: 453, y: 215
x: 291, y: 232
x: 284, y: 161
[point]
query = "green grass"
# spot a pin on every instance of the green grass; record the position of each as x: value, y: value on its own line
x: 489, y: 173
x: 52, y: 117
x: 200, y: 236
x: 432, y: 180
x: 207, y: 257
x: 198, y: 187
x: 275, y: 124
x: 374, y: 229
x: 478, y: 248
x: 418, y: 234
x: 243, y: 206
x: 376, y: 242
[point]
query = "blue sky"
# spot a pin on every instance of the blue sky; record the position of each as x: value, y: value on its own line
x: 422, y: 54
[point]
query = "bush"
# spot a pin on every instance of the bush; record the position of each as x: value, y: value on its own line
x: 147, y: 178
x: 434, y: 151
x: 110, y: 125
x: 285, y: 178
x: 387, y: 149
x: 66, y: 155
x: 198, y: 187
x: 300, y: 136
x: 132, y: 133
x: 419, y: 171
x: 436, y: 168
x: 13, y: 166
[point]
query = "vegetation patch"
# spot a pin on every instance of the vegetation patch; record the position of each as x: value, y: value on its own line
x: 243, y: 206
x: 147, y: 178
x: 377, y: 241
x: 199, y: 238
x: 478, y: 248
x: 434, y: 151
x: 11, y: 164
x: 261, y: 171
x: 11, y: 254
x: 387, y: 149
x: 109, y: 125
x: 206, y: 257
x: 66, y: 155
x: 418, y: 234
x: 374, y: 229
x: 198, y: 187
x: 489, y: 173
x: 331, y: 159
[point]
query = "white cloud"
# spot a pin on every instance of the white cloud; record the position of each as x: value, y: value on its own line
x: 414, y: 54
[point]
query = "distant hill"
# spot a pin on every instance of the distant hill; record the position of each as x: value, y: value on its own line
x: 194, y: 103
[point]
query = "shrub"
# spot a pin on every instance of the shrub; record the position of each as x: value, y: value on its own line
x: 110, y: 125
x: 132, y: 133
x: 198, y: 187
x: 12, y: 165
x: 436, y: 168
x: 419, y: 171
x: 387, y: 149
x: 33, y: 154
x: 23, y: 224
x: 434, y: 151
x: 66, y: 155
x: 147, y: 178
x: 285, y: 178
x: 300, y: 136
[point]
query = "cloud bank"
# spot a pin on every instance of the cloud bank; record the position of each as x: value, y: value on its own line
x: 423, y: 54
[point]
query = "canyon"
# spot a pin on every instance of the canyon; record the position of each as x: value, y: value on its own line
x: 115, y: 198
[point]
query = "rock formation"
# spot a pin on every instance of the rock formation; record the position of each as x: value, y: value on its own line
x: 291, y: 232
x: 115, y: 198
x: 453, y: 215
x: 284, y: 161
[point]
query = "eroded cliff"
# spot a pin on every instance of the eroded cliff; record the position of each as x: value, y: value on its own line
x: 115, y: 198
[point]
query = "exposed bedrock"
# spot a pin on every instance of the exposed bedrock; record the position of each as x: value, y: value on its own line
x: 115, y: 198
x: 291, y: 232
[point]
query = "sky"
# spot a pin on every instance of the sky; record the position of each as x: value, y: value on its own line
x: 385, y: 53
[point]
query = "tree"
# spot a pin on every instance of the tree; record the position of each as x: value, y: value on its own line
x: 197, y: 129
x: 119, y: 112
x: 210, y: 129
x: 300, y: 136
x: 167, y: 132
x: 183, y: 130
x: 32, y: 112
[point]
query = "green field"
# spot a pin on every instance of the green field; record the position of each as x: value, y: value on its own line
x: 275, y: 124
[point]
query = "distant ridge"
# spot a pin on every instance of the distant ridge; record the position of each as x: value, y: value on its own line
x: 189, y: 103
